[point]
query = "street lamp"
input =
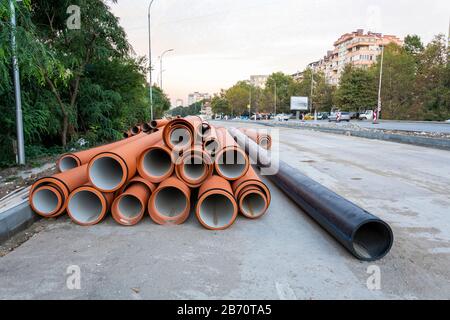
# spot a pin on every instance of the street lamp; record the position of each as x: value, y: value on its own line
x: 375, y: 120
x: 19, y: 120
x: 150, y: 59
x: 161, y: 67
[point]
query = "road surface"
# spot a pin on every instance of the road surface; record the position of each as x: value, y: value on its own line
x: 284, y: 255
x: 394, y: 125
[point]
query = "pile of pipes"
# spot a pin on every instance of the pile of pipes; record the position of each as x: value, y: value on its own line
x: 158, y: 168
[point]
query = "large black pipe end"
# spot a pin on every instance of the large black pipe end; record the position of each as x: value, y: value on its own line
x: 372, y: 240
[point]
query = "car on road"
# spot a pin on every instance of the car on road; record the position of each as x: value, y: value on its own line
x: 322, y: 116
x: 345, y: 116
x: 282, y: 117
x: 367, y: 115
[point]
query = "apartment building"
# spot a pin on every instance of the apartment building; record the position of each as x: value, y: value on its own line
x: 357, y: 48
x: 197, y: 96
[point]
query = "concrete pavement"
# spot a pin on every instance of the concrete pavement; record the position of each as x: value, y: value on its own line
x: 284, y: 255
x: 413, y: 126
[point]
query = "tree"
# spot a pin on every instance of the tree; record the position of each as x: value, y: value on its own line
x: 357, y: 89
x: 238, y: 97
x: 100, y: 38
x: 219, y: 104
x: 432, y: 90
x: 397, y: 82
x: 413, y: 44
x: 284, y: 86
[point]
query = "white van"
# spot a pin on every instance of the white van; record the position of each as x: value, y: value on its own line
x: 367, y: 115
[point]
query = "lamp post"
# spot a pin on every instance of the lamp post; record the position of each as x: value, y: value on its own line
x: 376, y: 119
x: 19, y: 119
x: 161, y: 67
x: 150, y: 58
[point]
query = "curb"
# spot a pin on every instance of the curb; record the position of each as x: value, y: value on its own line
x: 436, y: 143
x: 15, y: 220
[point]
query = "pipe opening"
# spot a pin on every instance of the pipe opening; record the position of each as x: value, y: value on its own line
x: 170, y: 202
x: 66, y: 163
x: 45, y: 201
x: 216, y: 211
x: 232, y: 164
x: 126, y: 135
x: 264, y: 143
x: 253, y: 204
x: 211, y: 146
x: 135, y: 130
x: 372, y: 240
x: 106, y: 173
x: 130, y: 206
x: 180, y: 137
x: 85, y: 207
x: 146, y: 127
x: 193, y: 170
x: 154, y: 124
x: 157, y: 163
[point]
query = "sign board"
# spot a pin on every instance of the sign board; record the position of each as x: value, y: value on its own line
x: 299, y: 104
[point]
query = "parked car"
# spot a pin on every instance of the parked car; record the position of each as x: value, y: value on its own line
x: 282, y: 117
x: 367, y: 115
x: 354, y: 115
x: 322, y: 116
x: 345, y: 116
x: 309, y: 116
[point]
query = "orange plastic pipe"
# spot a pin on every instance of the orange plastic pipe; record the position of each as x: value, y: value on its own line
x: 135, y: 130
x: 129, y: 207
x: 72, y: 160
x: 244, y: 191
x: 194, y: 167
x: 216, y: 207
x: 261, y: 138
x: 156, y: 163
x: 252, y: 202
x: 170, y: 203
x: 182, y: 132
x: 231, y: 161
x: 51, y: 201
x: 109, y: 171
x: 87, y: 206
x: 211, y: 143
x: 158, y: 123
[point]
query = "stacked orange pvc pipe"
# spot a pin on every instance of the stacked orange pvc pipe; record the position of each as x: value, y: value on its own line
x: 263, y: 139
x: 156, y: 171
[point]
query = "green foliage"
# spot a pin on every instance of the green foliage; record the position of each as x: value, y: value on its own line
x: 413, y: 44
x: 398, y: 81
x: 192, y: 110
x: 357, y: 90
x: 75, y: 83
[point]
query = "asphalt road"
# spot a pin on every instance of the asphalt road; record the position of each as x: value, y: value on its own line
x: 440, y: 127
x: 284, y: 255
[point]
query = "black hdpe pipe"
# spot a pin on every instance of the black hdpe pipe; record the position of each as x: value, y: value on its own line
x: 366, y: 236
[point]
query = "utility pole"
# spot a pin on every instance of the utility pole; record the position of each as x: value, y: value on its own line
x: 312, y: 88
x: 275, y: 98
x: 161, y: 67
x: 17, y: 91
x: 150, y: 59
x: 375, y: 121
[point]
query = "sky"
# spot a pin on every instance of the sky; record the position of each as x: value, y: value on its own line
x: 219, y: 42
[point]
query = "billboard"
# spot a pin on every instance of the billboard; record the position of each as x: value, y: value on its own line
x: 299, y: 104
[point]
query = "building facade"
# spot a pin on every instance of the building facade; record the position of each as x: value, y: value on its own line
x: 179, y: 103
x: 197, y: 96
x: 357, y: 48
